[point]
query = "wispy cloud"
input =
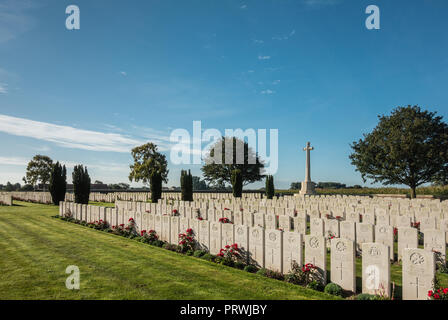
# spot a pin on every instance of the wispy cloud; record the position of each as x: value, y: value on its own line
x: 267, y: 91
x: 21, y: 161
x: 285, y: 37
x: 123, y: 73
x: 244, y: 6
x: 66, y: 136
x: 3, y: 88
x: 13, y: 18
x: 260, y: 57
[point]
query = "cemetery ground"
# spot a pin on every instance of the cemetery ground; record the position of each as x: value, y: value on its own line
x: 36, y: 249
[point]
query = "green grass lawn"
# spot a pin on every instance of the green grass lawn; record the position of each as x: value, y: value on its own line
x: 36, y: 250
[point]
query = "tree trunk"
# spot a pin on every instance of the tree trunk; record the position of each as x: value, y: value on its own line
x: 413, y: 192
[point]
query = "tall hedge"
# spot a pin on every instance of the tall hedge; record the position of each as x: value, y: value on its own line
x: 237, y: 183
x: 155, y: 181
x: 186, y: 185
x: 81, y: 184
x: 270, y: 189
x: 58, y: 183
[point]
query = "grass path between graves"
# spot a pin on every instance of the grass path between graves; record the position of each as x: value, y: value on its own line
x: 35, y: 250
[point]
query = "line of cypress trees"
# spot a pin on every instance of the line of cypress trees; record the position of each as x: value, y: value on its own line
x: 237, y: 183
x: 81, y: 184
x: 270, y: 189
x: 155, y: 181
x: 186, y: 185
x: 58, y: 183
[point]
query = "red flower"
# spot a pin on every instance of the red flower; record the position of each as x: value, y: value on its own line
x: 430, y: 293
x: 445, y: 291
x: 436, y: 296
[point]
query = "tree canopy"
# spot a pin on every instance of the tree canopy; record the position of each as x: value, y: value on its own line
x: 218, y: 174
x: 409, y: 147
x: 148, y: 161
x: 38, y: 170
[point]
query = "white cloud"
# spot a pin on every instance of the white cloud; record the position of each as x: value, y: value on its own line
x: 3, y: 88
x: 258, y: 41
x: 267, y: 91
x: 260, y: 57
x: 244, y: 6
x: 123, y: 73
x: 66, y: 136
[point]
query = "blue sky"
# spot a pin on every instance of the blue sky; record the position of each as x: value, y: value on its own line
x: 136, y: 70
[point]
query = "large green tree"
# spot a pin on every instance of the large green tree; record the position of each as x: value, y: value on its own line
x: 150, y: 167
x: 218, y: 174
x: 409, y: 147
x: 38, y: 170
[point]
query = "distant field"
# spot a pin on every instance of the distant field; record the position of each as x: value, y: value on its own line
x: 435, y: 191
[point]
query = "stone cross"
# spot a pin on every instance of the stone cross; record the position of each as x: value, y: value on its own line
x: 308, y: 148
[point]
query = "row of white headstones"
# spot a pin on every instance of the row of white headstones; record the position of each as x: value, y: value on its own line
x: 276, y: 249
x: 6, y: 199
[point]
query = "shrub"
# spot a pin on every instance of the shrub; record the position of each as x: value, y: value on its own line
x: 302, y: 275
x: 365, y: 296
x: 199, y: 253
x: 58, y: 183
x: 334, y: 289
x: 230, y: 254
x: 189, y: 253
x: 187, y: 241
x: 271, y: 274
x: 239, y: 265
x: 237, y: 183
x: 208, y: 257
x: 270, y: 189
x: 315, y: 285
x: 81, y: 184
x: 99, y: 225
x: 186, y: 185
x: 262, y: 272
x: 157, y: 243
x: 251, y: 268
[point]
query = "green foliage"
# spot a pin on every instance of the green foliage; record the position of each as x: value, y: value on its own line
x: 237, y: 183
x: 208, y: 257
x: 186, y: 185
x: 271, y: 274
x: 217, y: 171
x: 315, y: 285
x: 331, y: 185
x: 199, y: 253
x: 251, y: 268
x: 199, y: 184
x: 156, y: 186
x: 81, y: 184
x: 408, y: 147
x: 365, y: 296
x: 334, y: 289
x: 148, y: 163
x: 270, y: 189
x: 295, y: 186
x: 58, y: 183
x: 38, y: 170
